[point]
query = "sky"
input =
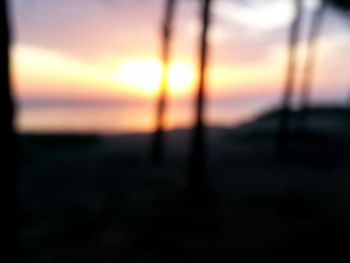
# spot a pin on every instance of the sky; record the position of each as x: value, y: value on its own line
x: 87, y: 52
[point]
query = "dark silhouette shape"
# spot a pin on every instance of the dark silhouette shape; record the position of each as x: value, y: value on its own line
x: 340, y: 5
x: 315, y: 31
x: 158, y: 141
x: 283, y: 129
x: 310, y: 64
x: 7, y: 107
x: 10, y: 205
x: 197, y: 180
x: 347, y: 110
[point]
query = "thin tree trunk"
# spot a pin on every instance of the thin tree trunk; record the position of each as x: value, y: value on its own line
x: 7, y: 109
x: 10, y: 205
x: 283, y: 128
x: 158, y: 140
x: 197, y: 181
x: 310, y: 65
x: 347, y: 110
x: 6, y: 103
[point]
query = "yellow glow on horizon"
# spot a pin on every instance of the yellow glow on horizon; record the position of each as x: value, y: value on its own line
x: 140, y: 74
x: 182, y: 77
x: 41, y: 71
x: 48, y: 73
x: 145, y: 76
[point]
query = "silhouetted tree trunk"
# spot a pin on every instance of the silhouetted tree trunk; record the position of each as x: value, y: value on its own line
x: 158, y: 140
x: 7, y: 109
x: 310, y: 64
x: 197, y: 181
x: 283, y: 128
x: 10, y: 207
x: 347, y: 110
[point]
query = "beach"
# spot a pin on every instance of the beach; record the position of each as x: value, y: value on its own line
x: 99, y: 198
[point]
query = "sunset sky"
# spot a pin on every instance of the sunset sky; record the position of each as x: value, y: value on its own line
x: 107, y: 52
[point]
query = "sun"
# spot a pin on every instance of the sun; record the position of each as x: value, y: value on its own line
x: 181, y: 77
x: 144, y: 76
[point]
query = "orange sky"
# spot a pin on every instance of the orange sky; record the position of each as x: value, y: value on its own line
x: 89, y: 50
x: 44, y: 72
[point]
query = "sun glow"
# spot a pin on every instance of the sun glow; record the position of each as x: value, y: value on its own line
x: 145, y: 76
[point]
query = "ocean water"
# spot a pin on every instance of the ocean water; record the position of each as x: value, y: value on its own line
x: 112, y: 119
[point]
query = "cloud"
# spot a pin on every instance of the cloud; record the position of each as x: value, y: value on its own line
x: 88, y: 29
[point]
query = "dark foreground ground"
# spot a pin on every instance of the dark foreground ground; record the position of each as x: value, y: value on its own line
x: 98, y: 199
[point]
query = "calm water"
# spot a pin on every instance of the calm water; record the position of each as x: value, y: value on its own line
x: 119, y: 119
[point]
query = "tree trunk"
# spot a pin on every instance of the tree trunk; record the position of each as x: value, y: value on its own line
x: 310, y: 65
x: 283, y: 128
x: 9, y: 195
x: 6, y: 103
x: 158, y: 140
x: 347, y: 111
x: 197, y: 181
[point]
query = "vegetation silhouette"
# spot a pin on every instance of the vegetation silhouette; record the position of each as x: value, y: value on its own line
x: 167, y: 28
x: 87, y: 208
x: 289, y: 85
x: 7, y: 112
x: 340, y: 5
x: 198, y: 187
x: 11, y: 211
x: 309, y: 68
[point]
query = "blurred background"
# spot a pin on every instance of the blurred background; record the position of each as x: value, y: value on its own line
x: 75, y: 64
x: 177, y: 130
